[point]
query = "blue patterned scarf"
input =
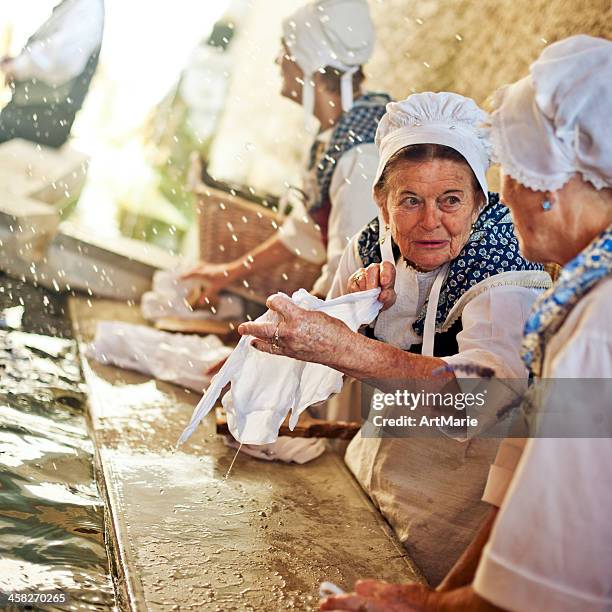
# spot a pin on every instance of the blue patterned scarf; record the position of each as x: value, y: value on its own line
x: 550, y: 310
x: 492, y: 248
x: 356, y: 126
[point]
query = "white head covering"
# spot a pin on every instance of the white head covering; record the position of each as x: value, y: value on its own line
x: 336, y: 33
x: 558, y: 120
x: 437, y: 118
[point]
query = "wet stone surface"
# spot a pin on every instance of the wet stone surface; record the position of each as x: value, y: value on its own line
x: 51, y: 515
x: 188, y: 538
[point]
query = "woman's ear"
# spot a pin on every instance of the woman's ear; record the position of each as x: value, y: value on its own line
x: 380, y: 197
x: 481, y: 201
x: 483, y: 198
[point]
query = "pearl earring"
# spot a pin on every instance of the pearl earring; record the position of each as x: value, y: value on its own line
x: 546, y: 205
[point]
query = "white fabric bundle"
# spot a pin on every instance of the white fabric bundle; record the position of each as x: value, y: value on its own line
x: 265, y: 388
x: 556, y: 121
x: 176, y: 358
x: 285, y: 449
x: 336, y: 33
x: 437, y: 118
x: 168, y: 298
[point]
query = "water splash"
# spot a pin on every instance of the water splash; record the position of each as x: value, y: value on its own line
x: 233, y: 461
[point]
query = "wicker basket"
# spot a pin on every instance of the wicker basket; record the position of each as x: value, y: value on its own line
x: 230, y: 226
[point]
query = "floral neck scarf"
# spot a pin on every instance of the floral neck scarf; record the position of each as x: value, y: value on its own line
x: 550, y: 310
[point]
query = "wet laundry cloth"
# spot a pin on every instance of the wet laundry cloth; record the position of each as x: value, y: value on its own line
x: 285, y: 449
x: 176, y: 358
x: 169, y: 298
x: 265, y: 387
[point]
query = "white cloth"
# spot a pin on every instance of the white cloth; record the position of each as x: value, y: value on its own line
x: 265, y: 388
x: 552, y: 123
x: 285, y: 449
x: 336, y: 33
x: 551, y: 547
x: 176, y: 358
x: 352, y: 206
x: 60, y: 48
x: 437, y: 118
x: 168, y: 298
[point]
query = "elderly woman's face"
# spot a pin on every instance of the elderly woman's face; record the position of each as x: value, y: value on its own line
x: 430, y: 207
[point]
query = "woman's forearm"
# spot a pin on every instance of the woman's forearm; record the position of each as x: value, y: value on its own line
x: 371, y: 360
x: 320, y: 338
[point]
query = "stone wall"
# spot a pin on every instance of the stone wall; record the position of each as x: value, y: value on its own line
x: 471, y: 46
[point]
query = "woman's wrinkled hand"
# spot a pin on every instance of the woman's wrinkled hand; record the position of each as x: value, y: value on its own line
x: 306, y: 335
x: 377, y: 596
x: 375, y: 275
x: 214, y: 278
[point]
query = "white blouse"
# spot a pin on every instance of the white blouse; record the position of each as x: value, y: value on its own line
x: 551, y: 547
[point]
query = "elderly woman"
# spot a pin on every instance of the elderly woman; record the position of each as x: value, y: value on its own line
x: 551, y: 546
x: 459, y: 292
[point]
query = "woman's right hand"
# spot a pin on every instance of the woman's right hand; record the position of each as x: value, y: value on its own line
x: 375, y: 275
x: 214, y: 278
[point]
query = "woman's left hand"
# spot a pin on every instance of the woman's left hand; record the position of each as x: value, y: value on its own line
x: 377, y: 596
x: 306, y: 335
x: 375, y: 275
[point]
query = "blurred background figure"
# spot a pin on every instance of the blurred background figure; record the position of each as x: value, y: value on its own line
x: 323, y: 48
x: 50, y: 77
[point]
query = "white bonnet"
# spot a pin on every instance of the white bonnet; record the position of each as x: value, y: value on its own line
x: 558, y: 120
x: 337, y: 33
x: 435, y: 118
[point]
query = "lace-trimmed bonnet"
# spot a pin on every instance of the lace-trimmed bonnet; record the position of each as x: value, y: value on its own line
x: 336, y: 33
x: 556, y: 121
x: 435, y: 118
